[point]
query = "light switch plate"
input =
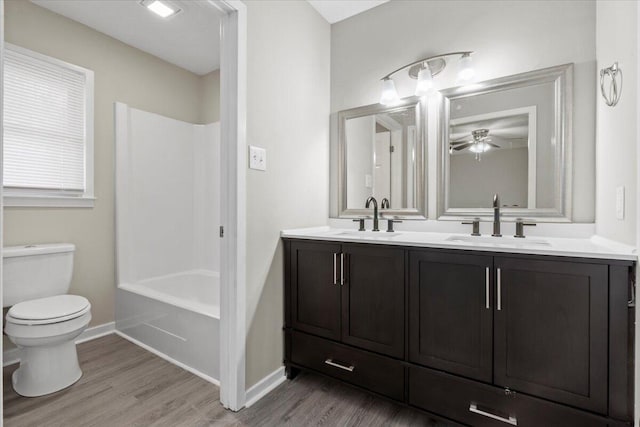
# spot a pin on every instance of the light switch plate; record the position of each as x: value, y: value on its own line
x: 620, y: 202
x: 257, y: 158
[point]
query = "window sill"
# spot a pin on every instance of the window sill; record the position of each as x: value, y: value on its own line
x: 23, y: 201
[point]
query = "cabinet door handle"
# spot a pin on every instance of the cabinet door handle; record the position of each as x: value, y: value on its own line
x: 511, y: 420
x: 330, y: 362
x: 486, y: 288
x: 341, y: 269
x: 499, y: 290
x: 335, y: 268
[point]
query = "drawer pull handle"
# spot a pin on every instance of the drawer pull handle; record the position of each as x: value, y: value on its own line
x: 511, y: 420
x: 335, y: 269
x: 486, y: 288
x: 341, y: 269
x: 499, y: 290
x: 339, y: 366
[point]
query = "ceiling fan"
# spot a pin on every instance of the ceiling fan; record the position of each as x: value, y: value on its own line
x: 480, y: 142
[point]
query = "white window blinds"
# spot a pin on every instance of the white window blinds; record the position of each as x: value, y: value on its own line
x: 45, y: 122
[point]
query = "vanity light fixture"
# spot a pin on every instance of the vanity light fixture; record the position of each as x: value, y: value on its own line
x: 424, y: 71
x: 161, y: 8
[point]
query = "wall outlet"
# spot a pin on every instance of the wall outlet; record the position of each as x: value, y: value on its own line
x: 620, y: 202
x: 257, y: 158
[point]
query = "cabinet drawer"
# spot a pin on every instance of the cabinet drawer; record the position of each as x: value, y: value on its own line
x: 373, y: 372
x: 482, y: 405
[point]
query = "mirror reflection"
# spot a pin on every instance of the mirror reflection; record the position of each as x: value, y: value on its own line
x: 491, y: 155
x: 507, y: 136
x: 381, y: 154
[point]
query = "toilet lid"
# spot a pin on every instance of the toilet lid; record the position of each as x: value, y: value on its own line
x: 50, y: 308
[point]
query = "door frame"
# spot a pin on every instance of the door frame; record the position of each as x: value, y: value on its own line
x: 233, y: 100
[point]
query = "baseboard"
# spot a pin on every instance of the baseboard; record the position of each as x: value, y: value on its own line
x: 11, y: 356
x: 168, y: 358
x: 264, y: 386
x: 96, y: 332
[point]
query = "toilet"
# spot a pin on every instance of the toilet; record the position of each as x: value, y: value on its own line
x: 43, y: 320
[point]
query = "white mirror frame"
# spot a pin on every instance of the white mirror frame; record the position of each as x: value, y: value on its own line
x: 562, y: 78
x: 420, y: 211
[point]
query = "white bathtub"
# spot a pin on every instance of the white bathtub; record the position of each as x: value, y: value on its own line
x: 197, y: 291
x: 175, y: 316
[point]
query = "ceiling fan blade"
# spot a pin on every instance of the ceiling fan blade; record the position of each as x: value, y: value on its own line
x: 460, y: 141
x: 492, y: 144
x: 463, y: 146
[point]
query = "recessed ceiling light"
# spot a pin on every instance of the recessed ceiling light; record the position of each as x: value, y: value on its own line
x: 160, y: 8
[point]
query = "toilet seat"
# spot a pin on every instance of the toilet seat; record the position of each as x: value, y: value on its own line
x: 45, y: 311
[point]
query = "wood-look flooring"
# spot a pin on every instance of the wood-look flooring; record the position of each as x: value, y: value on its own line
x: 125, y: 385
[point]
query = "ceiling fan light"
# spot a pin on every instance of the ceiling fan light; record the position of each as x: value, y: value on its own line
x: 480, y: 147
x: 465, y: 69
x: 389, y: 94
x: 424, y: 86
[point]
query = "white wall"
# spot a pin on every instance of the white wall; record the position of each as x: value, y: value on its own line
x: 288, y: 114
x: 507, y: 38
x: 617, y: 26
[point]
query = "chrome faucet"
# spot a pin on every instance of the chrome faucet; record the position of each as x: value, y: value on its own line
x: 496, y: 216
x: 375, y: 212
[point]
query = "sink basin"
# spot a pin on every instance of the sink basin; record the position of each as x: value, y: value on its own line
x: 500, y: 241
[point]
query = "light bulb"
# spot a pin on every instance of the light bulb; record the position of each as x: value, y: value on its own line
x: 389, y: 93
x: 465, y: 69
x: 480, y: 147
x: 424, y: 86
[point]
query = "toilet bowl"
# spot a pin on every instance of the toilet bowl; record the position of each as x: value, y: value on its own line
x: 45, y: 328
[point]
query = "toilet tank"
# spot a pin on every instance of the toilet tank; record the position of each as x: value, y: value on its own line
x: 36, y: 271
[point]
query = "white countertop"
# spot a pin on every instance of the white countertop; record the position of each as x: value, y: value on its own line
x: 594, y: 247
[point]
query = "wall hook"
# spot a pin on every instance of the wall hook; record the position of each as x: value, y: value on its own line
x: 612, y: 95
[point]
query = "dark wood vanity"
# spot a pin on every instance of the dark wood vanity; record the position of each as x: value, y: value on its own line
x: 474, y: 337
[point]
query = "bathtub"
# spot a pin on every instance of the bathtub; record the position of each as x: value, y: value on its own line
x: 176, y: 317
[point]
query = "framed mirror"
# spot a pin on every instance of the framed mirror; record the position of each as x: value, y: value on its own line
x: 381, y: 154
x: 512, y: 137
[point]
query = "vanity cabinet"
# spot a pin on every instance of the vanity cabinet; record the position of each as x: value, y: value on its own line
x: 551, y: 330
x: 450, y: 312
x: 350, y: 293
x: 474, y: 337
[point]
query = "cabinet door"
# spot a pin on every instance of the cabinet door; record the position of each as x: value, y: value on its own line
x: 373, y: 299
x: 315, y: 288
x: 551, y: 330
x: 450, y: 312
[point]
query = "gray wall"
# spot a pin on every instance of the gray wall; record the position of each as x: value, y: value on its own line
x: 617, y: 27
x: 507, y: 37
x: 287, y: 113
x: 473, y: 182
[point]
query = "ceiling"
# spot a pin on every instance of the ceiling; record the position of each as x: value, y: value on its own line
x: 337, y: 10
x: 190, y: 39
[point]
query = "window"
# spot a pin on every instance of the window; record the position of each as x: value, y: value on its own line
x: 48, y: 131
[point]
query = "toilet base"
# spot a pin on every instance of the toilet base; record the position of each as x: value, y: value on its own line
x: 46, y: 369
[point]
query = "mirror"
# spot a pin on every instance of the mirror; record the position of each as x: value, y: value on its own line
x: 508, y: 136
x: 381, y: 155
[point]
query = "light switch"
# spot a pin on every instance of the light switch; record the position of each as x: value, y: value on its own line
x: 620, y: 202
x: 257, y: 158
x: 368, y: 181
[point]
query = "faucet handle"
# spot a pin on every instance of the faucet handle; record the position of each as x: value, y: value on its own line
x: 361, y: 223
x: 476, y: 226
x: 520, y: 224
x: 390, y: 222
